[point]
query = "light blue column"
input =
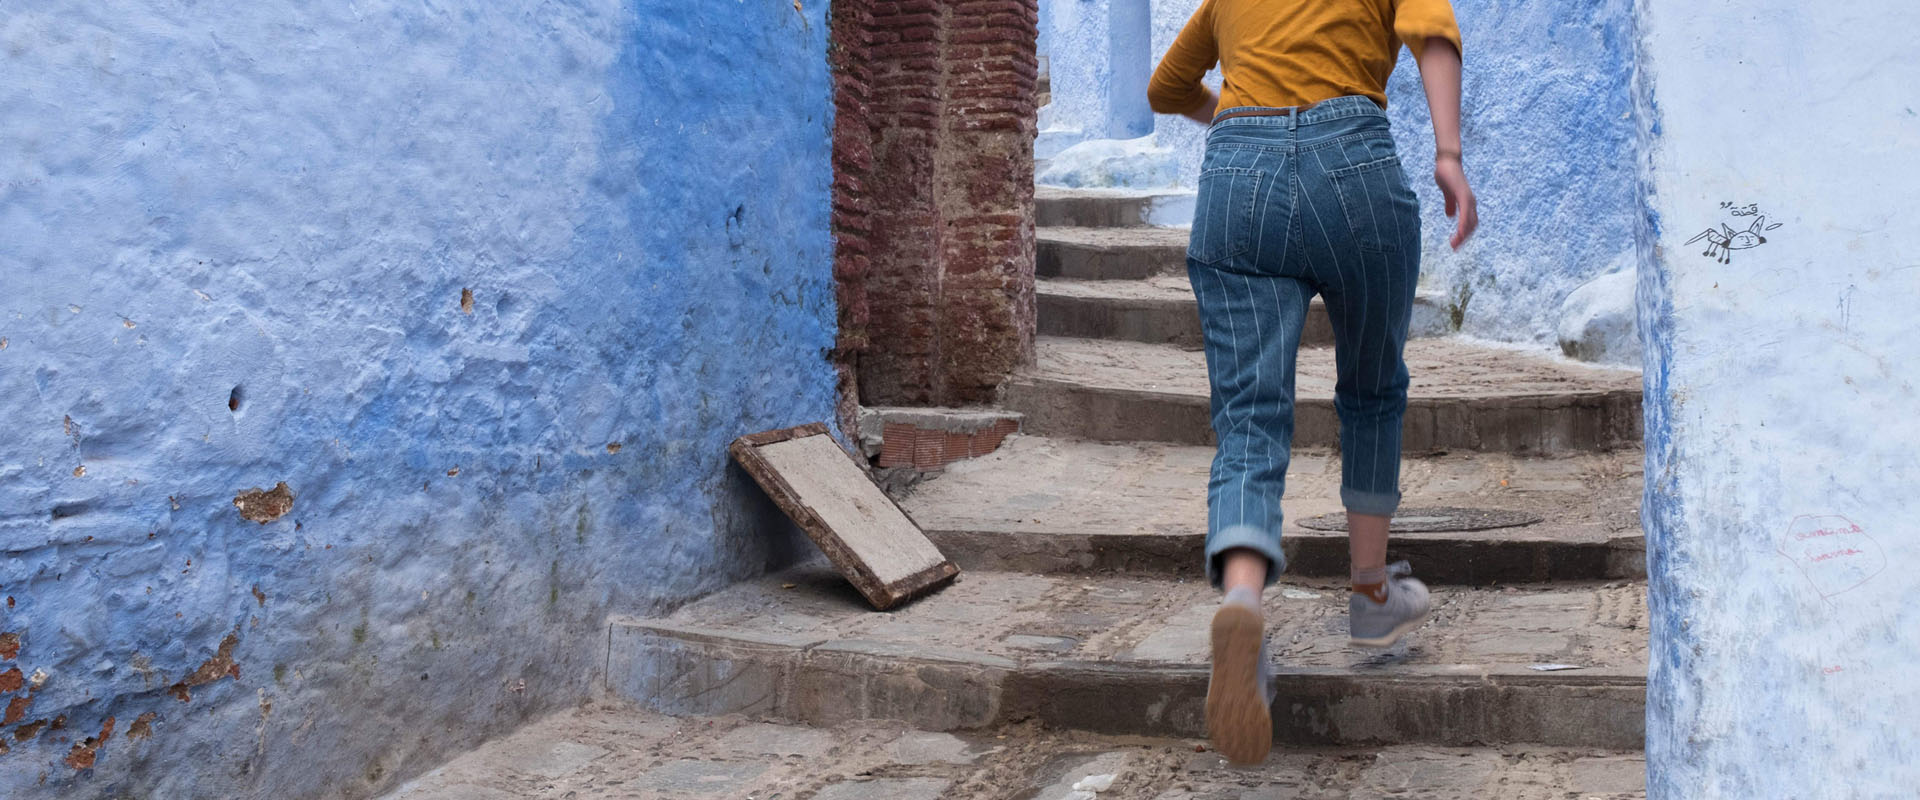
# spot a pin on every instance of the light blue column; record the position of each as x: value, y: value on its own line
x: 1130, y: 56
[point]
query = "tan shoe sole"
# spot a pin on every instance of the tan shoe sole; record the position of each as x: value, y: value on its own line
x: 1238, y: 721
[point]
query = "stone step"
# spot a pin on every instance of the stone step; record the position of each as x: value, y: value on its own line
x: 1056, y: 207
x: 609, y: 751
x: 1162, y: 310
x: 1465, y: 396
x: 1109, y: 253
x: 1054, y: 506
x: 1127, y: 655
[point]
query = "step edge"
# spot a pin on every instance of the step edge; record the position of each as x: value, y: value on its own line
x: 1446, y: 674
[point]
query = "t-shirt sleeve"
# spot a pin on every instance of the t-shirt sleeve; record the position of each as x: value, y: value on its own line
x: 1416, y: 21
x: 1176, y: 87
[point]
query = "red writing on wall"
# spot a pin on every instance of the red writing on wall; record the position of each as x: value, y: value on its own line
x: 1835, y: 554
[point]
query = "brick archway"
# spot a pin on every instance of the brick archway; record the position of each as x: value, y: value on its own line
x: 933, y: 197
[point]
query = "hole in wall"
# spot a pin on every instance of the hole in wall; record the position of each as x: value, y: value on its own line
x: 235, y: 398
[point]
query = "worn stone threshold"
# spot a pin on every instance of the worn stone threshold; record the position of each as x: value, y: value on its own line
x: 1465, y: 396
x: 1162, y: 310
x: 611, y: 751
x: 1128, y: 655
x: 1049, y: 505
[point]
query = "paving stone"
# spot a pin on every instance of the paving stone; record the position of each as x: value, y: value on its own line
x: 1048, y: 644
x: 1161, y: 310
x: 1071, y: 769
x: 1139, y: 663
x: 1609, y: 775
x: 922, y: 747
x: 1085, y: 507
x: 454, y: 791
x: 559, y: 758
x: 696, y: 759
x: 1464, y: 397
x: 1183, y: 638
x: 886, y: 789
x: 1109, y: 253
x: 778, y: 740
x: 699, y: 777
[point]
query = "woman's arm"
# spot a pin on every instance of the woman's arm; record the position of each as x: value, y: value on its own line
x: 1205, y: 113
x: 1440, y: 73
x: 1177, y: 86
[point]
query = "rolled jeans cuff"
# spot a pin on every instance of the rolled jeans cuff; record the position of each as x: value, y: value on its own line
x: 1378, y: 503
x: 1234, y: 537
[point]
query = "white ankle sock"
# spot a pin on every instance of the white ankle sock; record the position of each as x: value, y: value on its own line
x: 1245, y: 597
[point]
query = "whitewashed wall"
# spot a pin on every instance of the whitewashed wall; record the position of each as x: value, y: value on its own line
x: 1784, y: 455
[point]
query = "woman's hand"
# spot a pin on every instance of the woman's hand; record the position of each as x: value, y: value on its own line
x: 1451, y: 176
x: 1204, y: 114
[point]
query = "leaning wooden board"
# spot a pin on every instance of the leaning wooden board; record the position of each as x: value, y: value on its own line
x: 863, y: 532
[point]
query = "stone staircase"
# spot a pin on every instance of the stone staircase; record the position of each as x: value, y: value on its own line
x: 1073, y: 645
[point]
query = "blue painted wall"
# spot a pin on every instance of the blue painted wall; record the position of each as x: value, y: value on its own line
x: 1549, y: 132
x: 1782, y: 451
x: 280, y: 204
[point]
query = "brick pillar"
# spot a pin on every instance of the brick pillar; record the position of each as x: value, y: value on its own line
x: 849, y: 56
x: 934, y: 195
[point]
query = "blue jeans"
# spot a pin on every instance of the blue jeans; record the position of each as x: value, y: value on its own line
x: 1289, y: 207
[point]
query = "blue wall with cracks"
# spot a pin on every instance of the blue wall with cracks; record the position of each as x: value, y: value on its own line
x: 279, y: 205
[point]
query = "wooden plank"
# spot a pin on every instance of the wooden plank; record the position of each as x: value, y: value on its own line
x: 827, y: 493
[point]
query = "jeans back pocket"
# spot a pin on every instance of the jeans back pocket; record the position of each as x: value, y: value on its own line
x: 1224, y: 214
x: 1380, y: 207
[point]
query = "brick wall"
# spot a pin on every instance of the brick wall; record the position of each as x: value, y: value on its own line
x: 933, y: 196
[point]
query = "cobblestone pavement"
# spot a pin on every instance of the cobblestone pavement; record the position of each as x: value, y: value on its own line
x: 611, y: 752
x: 1127, y: 620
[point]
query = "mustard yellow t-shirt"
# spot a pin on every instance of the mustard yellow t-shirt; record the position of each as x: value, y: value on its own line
x: 1279, y: 53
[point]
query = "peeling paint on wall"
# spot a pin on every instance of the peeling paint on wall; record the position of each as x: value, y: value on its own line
x: 264, y: 505
x: 290, y: 201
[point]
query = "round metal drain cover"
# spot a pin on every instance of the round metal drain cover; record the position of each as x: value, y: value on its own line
x: 1435, y: 520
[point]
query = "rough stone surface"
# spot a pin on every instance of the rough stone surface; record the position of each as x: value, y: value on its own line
x: 1600, y: 323
x: 797, y: 647
x: 1048, y: 505
x: 1105, y: 208
x: 1162, y: 310
x: 1443, y: 519
x: 485, y: 290
x: 1465, y: 395
x: 1108, y: 163
x: 931, y: 438
x: 654, y: 756
x: 886, y: 789
x: 1110, y: 253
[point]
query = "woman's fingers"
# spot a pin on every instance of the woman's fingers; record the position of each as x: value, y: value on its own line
x: 1469, y: 222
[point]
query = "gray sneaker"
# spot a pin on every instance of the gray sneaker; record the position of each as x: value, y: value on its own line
x: 1241, y: 691
x: 1374, y: 624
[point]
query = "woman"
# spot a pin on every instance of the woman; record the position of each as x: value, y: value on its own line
x: 1301, y: 193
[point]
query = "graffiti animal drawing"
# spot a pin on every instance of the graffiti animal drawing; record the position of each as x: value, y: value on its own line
x: 1722, y: 243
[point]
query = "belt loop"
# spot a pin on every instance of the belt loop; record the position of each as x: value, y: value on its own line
x: 1293, y: 120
